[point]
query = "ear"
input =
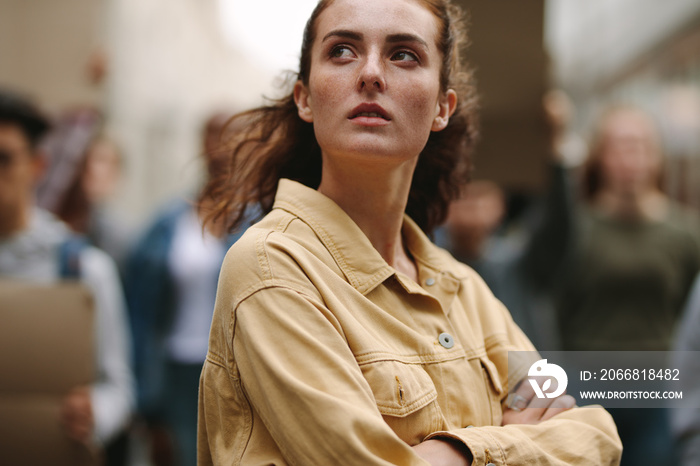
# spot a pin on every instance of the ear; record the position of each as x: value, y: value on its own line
x: 303, y: 101
x: 445, y: 108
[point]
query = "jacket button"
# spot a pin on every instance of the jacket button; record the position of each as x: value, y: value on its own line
x: 446, y: 340
x: 430, y: 282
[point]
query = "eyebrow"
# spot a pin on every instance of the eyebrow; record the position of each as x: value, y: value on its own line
x: 392, y: 38
x: 344, y: 33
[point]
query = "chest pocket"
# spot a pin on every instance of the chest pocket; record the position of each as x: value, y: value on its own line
x: 406, y: 398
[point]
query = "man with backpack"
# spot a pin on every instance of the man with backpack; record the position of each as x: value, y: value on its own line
x: 36, y: 247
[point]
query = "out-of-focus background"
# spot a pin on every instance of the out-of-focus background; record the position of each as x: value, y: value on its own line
x: 138, y: 88
x: 157, y: 68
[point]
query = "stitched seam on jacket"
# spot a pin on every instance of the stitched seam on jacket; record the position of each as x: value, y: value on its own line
x: 216, y: 359
x: 500, y: 448
x: 270, y: 284
x: 323, y: 236
x: 248, y: 421
x: 263, y: 258
x: 496, y: 339
x: 418, y: 403
x: 429, y: 358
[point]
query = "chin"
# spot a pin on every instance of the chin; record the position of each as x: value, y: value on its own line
x: 384, y: 154
x: 387, y: 149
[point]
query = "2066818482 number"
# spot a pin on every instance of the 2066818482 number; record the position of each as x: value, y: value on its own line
x: 639, y: 374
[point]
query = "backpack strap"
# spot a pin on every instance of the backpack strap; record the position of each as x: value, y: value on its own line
x: 69, y: 252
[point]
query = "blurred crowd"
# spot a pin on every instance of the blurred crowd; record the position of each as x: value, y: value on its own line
x: 604, y: 260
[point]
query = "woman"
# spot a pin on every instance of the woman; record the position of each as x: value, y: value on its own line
x: 170, y: 285
x: 85, y: 172
x: 341, y: 335
x: 637, y: 252
x: 634, y: 260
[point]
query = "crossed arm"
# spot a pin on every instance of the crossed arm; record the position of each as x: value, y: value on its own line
x: 447, y: 452
x: 330, y: 398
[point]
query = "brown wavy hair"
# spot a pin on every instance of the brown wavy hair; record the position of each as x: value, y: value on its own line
x: 277, y: 144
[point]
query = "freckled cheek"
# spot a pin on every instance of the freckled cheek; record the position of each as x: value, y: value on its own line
x: 327, y: 95
x: 420, y: 107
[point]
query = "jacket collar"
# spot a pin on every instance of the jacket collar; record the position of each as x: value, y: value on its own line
x: 360, y: 262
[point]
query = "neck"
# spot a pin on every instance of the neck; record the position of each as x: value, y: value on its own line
x: 375, y: 198
x: 647, y: 204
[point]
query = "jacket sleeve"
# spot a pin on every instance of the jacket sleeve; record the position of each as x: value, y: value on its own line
x: 581, y: 436
x: 299, y: 374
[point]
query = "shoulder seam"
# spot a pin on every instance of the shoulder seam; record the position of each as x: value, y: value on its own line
x: 268, y: 284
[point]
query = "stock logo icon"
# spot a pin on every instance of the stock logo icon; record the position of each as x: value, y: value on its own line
x: 541, y: 370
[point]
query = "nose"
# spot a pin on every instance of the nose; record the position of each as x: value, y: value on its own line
x: 372, y: 74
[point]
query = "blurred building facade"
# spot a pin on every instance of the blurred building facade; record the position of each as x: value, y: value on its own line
x: 157, y: 68
x: 46, y: 46
x: 506, y: 52
x: 171, y: 68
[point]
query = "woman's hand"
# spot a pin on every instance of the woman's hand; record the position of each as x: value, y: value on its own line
x: 444, y: 452
x: 525, y: 408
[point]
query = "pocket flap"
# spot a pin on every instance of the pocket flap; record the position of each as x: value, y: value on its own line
x: 399, y: 388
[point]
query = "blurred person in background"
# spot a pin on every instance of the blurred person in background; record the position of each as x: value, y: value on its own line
x: 520, y: 264
x: 83, y: 176
x: 685, y: 422
x: 83, y: 173
x: 86, y: 208
x: 472, y: 221
x: 634, y: 257
x: 171, y: 281
x: 36, y: 246
x: 637, y: 251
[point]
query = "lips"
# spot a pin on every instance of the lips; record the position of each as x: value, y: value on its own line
x: 370, y: 115
x: 372, y: 111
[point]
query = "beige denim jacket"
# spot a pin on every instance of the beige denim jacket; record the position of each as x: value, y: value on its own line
x: 322, y: 354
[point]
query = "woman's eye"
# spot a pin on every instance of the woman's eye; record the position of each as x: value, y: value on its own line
x: 404, y: 55
x: 341, y: 51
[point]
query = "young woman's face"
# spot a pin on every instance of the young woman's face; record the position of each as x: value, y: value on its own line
x: 374, y: 86
x: 629, y: 160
